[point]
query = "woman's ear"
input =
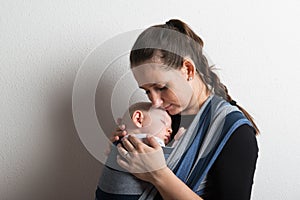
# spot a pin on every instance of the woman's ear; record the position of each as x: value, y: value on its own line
x: 188, y: 69
x: 138, y: 118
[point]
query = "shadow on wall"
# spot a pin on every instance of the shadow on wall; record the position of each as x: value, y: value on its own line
x: 77, y: 171
x: 69, y: 171
x: 65, y: 169
x: 103, y: 105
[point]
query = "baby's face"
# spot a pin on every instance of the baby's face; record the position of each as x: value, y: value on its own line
x: 160, y: 124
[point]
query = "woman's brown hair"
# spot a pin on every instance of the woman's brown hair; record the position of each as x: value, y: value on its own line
x: 175, y: 40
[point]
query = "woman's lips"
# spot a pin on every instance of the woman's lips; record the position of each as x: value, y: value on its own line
x: 168, y: 107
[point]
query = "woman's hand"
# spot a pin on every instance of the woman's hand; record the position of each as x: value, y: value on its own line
x: 119, y: 133
x: 143, y: 161
x: 148, y: 163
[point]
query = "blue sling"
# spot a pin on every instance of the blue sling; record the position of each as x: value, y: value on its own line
x: 203, y: 141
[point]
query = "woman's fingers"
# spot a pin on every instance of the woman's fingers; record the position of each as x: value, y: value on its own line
x: 123, y: 152
x: 152, y: 142
x: 117, y: 135
x: 132, y: 143
x: 179, y: 133
x: 145, y: 161
x: 135, y: 143
x: 123, y: 163
x: 129, y: 145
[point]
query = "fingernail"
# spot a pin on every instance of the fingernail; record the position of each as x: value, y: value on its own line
x: 123, y: 139
x: 131, y: 136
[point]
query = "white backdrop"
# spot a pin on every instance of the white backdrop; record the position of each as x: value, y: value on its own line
x: 255, y: 44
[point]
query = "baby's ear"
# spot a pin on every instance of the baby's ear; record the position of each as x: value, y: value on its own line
x: 138, y: 118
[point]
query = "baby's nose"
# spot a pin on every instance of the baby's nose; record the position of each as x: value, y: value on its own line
x: 169, y: 131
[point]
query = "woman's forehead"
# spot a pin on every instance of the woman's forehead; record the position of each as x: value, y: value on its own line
x: 149, y: 67
x: 150, y: 74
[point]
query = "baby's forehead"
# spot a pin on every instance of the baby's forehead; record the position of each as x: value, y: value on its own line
x: 159, y: 111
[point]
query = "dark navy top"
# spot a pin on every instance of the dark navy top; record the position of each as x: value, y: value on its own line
x: 231, y: 176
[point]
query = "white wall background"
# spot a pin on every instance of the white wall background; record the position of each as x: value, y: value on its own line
x: 255, y: 44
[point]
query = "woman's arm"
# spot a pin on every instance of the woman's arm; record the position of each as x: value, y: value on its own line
x: 148, y: 163
x: 171, y: 187
x: 231, y: 176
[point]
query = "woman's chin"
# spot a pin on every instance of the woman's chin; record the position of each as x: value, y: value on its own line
x: 173, y: 110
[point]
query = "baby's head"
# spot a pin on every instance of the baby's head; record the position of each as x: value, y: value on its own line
x: 143, y: 118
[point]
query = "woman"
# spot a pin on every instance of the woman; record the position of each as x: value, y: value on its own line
x: 216, y: 157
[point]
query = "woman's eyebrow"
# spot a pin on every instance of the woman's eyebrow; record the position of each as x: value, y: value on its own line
x: 153, y: 84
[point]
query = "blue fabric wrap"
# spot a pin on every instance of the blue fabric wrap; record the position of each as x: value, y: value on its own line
x: 183, y: 170
x: 114, y: 178
x: 198, y: 148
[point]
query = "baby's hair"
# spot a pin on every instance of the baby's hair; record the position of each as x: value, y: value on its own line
x: 142, y: 106
x: 127, y: 116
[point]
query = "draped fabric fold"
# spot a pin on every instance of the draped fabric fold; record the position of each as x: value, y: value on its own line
x: 203, y: 141
x: 190, y: 159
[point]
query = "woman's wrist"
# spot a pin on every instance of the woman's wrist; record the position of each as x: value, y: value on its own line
x: 160, y: 176
x: 165, y: 181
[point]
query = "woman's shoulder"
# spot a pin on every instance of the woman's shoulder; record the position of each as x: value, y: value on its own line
x: 232, y: 173
x: 241, y: 147
x: 243, y: 135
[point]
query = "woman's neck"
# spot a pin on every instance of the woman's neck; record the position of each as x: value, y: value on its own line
x: 201, y: 94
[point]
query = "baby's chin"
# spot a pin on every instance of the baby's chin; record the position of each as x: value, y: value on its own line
x: 166, y: 140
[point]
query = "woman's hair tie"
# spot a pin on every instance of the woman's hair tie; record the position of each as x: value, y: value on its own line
x: 233, y: 102
x: 169, y: 23
x: 172, y: 22
x: 177, y: 24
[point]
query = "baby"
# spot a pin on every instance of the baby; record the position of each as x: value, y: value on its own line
x: 140, y: 119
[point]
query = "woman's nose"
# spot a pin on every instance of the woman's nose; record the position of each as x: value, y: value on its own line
x: 156, y: 100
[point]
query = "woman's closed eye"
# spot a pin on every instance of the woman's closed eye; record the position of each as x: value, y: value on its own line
x: 162, y: 88
x: 157, y: 88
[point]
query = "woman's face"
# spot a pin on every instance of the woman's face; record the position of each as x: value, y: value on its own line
x: 166, y: 88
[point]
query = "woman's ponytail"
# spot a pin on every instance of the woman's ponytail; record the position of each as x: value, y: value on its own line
x: 209, y: 77
x: 173, y: 49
